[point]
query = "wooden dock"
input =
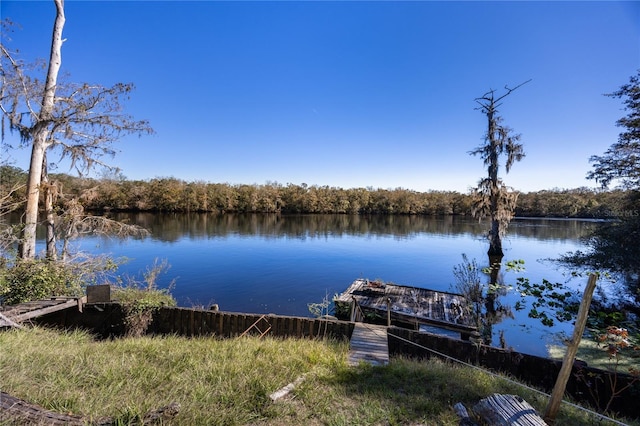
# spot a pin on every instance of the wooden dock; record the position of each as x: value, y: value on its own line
x: 12, y: 316
x: 368, y: 344
x: 404, y: 304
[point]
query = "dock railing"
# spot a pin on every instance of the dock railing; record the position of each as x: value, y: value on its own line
x: 357, y: 315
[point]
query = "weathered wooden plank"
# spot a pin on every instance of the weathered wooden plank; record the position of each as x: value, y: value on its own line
x: 209, y: 319
x: 408, y: 304
x: 507, y: 410
x: 363, y: 343
x: 52, y: 306
x: 225, y: 321
x: 368, y: 344
x: 220, y: 326
x: 175, y: 321
x: 196, y: 323
x: 7, y: 322
x: 192, y: 323
x: 17, y: 411
x: 186, y: 318
x: 299, y: 328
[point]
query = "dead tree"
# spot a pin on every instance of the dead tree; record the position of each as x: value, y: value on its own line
x: 77, y: 121
x: 493, y: 198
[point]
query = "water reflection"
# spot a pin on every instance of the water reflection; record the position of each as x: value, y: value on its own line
x: 280, y: 263
x: 173, y: 227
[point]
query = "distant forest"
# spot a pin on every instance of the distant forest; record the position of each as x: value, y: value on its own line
x: 175, y: 195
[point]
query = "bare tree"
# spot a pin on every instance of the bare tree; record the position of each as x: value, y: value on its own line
x: 77, y: 121
x: 73, y: 223
x: 493, y: 198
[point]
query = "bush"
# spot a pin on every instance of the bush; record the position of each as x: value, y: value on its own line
x: 139, y: 299
x: 38, y: 279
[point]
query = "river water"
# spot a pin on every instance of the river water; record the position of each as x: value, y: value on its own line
x: 280, y: 264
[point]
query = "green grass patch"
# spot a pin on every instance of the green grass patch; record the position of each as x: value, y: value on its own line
x: 228, y: 382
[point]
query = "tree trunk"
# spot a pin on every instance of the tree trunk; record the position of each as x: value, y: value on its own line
x: 495, y: 239
x: 572, y: 348
x: 50, y: 215
x: 40, y: 134
x: 495, y: 236
x: 495, y: 264
x: 27, y: 249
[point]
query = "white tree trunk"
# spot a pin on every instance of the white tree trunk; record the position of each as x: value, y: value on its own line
x: 40, y: 134
x: 28, y: 242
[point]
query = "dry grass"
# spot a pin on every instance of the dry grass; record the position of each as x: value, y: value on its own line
x: 228, y: 382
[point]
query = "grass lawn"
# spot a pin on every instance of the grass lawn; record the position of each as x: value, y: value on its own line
x: 228, y: 382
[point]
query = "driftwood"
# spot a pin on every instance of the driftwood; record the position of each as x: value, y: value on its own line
x: 463, y: 414
x: 499, y: 410
x: 281, y: 393
x: 15, y: 411
x: 507, y: 410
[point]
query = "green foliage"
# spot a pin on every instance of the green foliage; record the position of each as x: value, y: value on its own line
x: 171, y: 194
x: 602, y: 319
x: 578, y: 202
x: 143, y: 299
x: 482, y: 295
x: 548, y: 301
x: 140, y: 299
x: 139, y: 305
x: 621, y: 162
x: 614, y: 246
x: 38, y: 279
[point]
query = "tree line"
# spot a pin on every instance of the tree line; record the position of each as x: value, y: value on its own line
x: 171, y: 194
x: 80, y: 121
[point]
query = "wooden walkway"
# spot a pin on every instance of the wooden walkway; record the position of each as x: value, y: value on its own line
x: 368, y: 344
x: 12, y: 316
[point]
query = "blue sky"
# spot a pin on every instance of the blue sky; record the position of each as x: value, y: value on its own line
x: 348, y: 93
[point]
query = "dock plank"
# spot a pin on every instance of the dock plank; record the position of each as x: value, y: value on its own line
x: 409, y: 304
x: 29, y: 310
x: 368, y: 344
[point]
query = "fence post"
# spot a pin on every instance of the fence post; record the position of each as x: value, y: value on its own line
x: 572, y: 348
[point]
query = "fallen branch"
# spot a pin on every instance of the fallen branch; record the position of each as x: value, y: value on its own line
x: 17, y: 411
x: 281, y: 393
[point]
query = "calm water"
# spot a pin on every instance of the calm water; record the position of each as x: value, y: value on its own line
x: 279, y: 264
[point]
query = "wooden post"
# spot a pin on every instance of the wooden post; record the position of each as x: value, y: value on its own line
x: 572, y: 348
x: 353, y: 309
x: 81, y: 301
x: 388, y: 312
